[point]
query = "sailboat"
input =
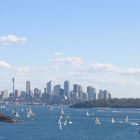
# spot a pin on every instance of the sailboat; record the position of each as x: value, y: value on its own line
x: 29, y: 112
x: 65, y: 122
x: 16, y: 114
x: 87, y: 114
x: 97, y: 121
x: 13, y: 111
x: 59, y: 121
x: 113, y: 121
x: 60, y: 125
x: 70, y: 122
x: 50, y: 108
x: 126, y: 119
x: 62, y: 111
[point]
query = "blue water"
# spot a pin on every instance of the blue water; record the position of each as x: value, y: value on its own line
x: 44, y: 125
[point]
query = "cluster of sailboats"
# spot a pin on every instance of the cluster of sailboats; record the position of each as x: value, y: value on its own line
x: 28, y: 110
x: 98, y: 121
x: 64, y: 119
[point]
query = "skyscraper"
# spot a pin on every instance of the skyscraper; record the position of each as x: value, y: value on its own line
x: 104, y: 95
x: 57, y: 90
x: 67, y: 88
x: 49, y: 88
x: 80, y: 93
x: 28, y: 87
x: 91, y: 93
x: 75, y: 90
x: 13, y: 81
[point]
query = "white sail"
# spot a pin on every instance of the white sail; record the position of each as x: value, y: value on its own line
x: 59, y: 121
x: 126, y: 119
x: 62, y: 111
x: 97, y: 121
x: 60, y: 126
x: 87, y: 114
x: 70, y: 122
x: 113, y: 121
x: 13, y: 111
x: 29, y: 112
x: 16, y: 114
x: 65, y: 122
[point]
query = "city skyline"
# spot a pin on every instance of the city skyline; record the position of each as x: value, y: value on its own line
x: 52, y: 94
x: 86, y: 42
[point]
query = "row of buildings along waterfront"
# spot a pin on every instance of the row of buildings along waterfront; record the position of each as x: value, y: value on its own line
x: 55, y: 93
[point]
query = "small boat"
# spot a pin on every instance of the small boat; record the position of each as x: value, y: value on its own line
x: 29, y: 112
x: 87, y: 114
x: 50, y: 108
x: 16, y: 114
x: 126, y: 119
x: 59, y: 121
x: 60, y: 125
x: 65, y: 122
x: 13, y: 111
x: 70, y: 122
x: 135, y: 124
x: 97, y: 121
x: 62, y: 111
x: 113, y: 121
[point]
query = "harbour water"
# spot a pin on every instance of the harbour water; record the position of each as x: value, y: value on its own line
x: 44, y: 125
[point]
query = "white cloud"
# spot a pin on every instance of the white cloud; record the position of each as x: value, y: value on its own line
x: 8, y: 39
x: 26, y: 69
x: 39, y: 69
x: 4, y: 64
x: 100, y: 67
x: 61, y: 60
x: 103, y: 67
x: 23, y: 69
x: 131, y: 71
x: 58, y: 53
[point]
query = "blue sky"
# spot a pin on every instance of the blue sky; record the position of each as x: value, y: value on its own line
x: 92, y: 42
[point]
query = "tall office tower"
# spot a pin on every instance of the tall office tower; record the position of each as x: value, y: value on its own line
x: 37, y: 93
x: 104, y: 95
x: 5, y: 94
x: 80, y: 93
x: 17, y: 93
x: 57, y: 90
x: 28, y: 87
x: 109, y: 96
x: 85, y: 96
x: 91, y: 93
x: 13, y: 82
x: 75, y: 90
x: 67, y: 88
x: 101, y: 94
x: 49, y: 88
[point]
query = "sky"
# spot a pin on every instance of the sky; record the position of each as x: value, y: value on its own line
x: 89, y: 42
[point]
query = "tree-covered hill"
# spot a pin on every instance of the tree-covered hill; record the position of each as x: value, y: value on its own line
x: 113, y: 103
